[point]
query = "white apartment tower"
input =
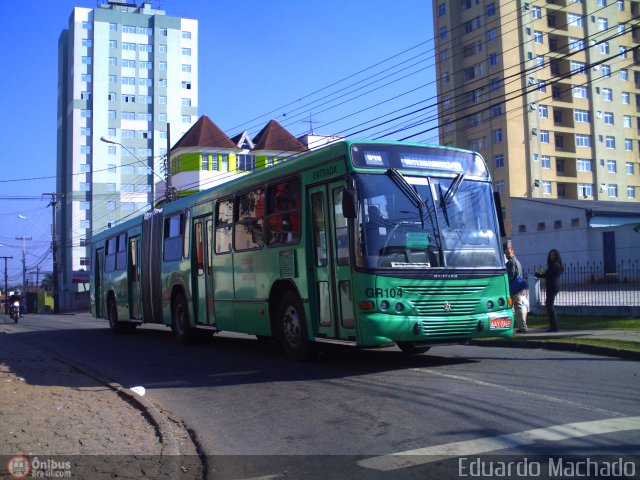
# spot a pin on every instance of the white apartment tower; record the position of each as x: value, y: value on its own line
x: 127, y: 74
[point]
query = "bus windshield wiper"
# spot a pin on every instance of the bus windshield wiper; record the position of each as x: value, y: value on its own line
x: 408, y: 190
x: 453, y: 188
x: 448, y: 195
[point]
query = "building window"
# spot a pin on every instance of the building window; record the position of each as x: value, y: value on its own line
x: 631, y: 192
x: 186, y: 67
x: 204, y: 161
x: 612, y: 166
x: 585, y: 190
x: 584, y: 165
x: 497, y: 135
x: 522, y: 228
x: 557, y: 224
x: 543, y: 111
x: 629, y: 168
x: 580, y: 91
x: 583, y: 140
x: 628, y: 145
x: 538, y: 37
x: 442, y: 32
x: 545, y: 162
x: 541, y: 226
x: 544, y: 136
x: 613, y: 190
x: 581, y: 116
x: 610, y: 142
x: 499, y: 160
x: 607, y: 95
x: 608, y: 118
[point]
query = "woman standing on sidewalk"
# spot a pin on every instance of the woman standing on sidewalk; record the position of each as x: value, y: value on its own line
x: 552, y: 276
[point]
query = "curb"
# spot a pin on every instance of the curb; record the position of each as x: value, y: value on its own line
x: 561, y: 346
x: 160, y: 422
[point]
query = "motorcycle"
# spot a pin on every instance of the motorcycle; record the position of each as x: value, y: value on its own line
x: 15, y: 311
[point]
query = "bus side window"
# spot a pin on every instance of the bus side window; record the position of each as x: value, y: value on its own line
x: 224, y: 224
x: 341, y: 228
x: 172, y: 248
x: 110, y: 257
x: 283, y: 220
x: 319, y: 229
x: 209, y: 244
x: 121, y: 256
x: 249, y: 226
x: 199, y: 248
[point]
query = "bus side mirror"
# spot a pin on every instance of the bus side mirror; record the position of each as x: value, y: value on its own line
x: 349, y: 203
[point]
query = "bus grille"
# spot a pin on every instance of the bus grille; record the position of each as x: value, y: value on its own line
x: 455, y: 307
x: 447, y: 327
x: 447, y: 300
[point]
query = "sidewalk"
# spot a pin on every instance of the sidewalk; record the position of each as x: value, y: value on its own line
x: 569, y: 340
x: 51, y: 411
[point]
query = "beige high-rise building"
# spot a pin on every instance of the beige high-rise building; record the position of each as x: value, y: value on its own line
x: 547, y: 91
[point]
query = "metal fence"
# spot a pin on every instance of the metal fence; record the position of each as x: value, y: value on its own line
x: 588, y: 285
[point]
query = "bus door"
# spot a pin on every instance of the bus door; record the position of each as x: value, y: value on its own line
x: 202, y: 271
x: 331, y: 263
x: 133, y: 277
x: 98, y: 282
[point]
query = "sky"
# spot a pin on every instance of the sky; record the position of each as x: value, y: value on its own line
x: 354, y: 68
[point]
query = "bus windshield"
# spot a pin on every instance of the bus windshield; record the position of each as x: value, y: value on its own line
x: 416, y: 222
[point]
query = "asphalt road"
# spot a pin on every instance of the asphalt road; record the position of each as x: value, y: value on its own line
x: 258, y: 414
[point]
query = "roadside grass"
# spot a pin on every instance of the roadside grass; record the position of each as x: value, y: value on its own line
x: 586, y: 323
x: 600, y: 342
x: 571, y: 322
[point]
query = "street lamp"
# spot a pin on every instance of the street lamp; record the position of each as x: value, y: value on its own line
x: 22, y: 217
x: 110, y: 140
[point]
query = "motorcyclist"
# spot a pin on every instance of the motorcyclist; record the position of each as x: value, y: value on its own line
x: 16, y: 296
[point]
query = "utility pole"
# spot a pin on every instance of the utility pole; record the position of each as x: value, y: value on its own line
x: 54, y: 249
x: 6, y: 292
x: 24, y: 262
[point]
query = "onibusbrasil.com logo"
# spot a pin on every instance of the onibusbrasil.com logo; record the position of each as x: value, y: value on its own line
x: 20, y: 466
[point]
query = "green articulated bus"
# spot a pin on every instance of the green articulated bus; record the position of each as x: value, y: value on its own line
x: 358, y: 243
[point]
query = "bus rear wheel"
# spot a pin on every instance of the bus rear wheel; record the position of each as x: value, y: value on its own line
x: 112, y: 315
x: 291, y: 325
x: 180, y: 320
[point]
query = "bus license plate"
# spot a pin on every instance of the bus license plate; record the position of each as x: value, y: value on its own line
x: 499, y: 323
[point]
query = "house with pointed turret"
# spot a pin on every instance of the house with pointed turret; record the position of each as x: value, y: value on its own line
x: 204, y: 157
x: 274, y: 144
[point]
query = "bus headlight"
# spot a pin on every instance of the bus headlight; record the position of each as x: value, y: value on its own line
x: 490, y: 305
x: 384, y: 305
x: 501, y: 302
x: 399, y: 307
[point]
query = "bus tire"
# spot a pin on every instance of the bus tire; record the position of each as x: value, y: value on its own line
x: 411, y: 349
x: 180, y: 320
x: 291, y: 328
x: 112, y: 314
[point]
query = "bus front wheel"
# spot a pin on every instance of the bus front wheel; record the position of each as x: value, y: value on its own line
x: 180, y: 319
x: 292, y: 328
x: 411, y: 349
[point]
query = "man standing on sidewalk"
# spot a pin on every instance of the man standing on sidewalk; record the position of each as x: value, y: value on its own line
x: 517, y: 288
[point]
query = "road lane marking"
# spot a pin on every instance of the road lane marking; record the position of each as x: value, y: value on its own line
x: 520, y: 392
x: 421, y: 456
